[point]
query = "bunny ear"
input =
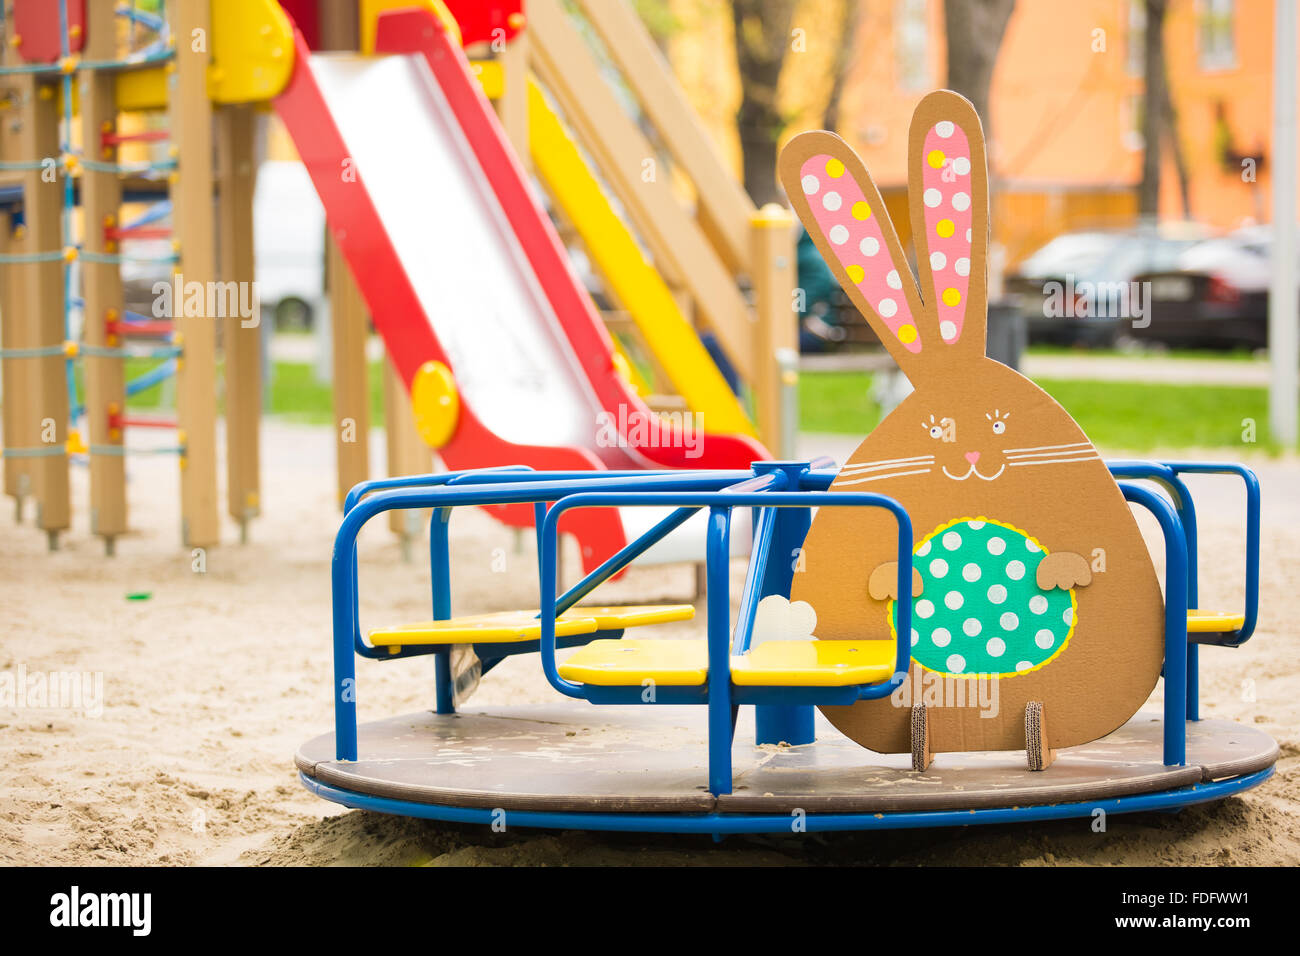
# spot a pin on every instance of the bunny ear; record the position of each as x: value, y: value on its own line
x: 842, y: 211
x: 948, y: 190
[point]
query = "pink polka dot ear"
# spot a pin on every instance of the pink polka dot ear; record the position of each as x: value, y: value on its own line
x: 947, y: 199
x: 856, y: 236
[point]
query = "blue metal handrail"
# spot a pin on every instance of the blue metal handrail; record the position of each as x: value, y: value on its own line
x: 1175, y: 711
x: 717, y: 571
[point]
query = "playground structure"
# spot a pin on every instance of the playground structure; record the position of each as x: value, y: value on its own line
x: 945, y: 621
x: 635, y: 766
x: 724, y: 267
x: 80, y: 88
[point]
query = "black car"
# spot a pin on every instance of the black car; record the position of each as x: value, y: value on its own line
x: 1215, y: 295
x: 1079, y: 288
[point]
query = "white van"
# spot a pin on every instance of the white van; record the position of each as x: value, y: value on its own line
x: 289, y: 239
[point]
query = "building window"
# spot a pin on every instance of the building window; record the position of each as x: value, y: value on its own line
x: 1216, y: 42
x: 912, y: 44
x: 1135, y: 62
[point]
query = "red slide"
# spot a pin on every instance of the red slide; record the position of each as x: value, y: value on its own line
x: 459, y: 263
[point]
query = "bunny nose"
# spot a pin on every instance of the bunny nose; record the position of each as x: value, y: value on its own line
x: 972, y: 456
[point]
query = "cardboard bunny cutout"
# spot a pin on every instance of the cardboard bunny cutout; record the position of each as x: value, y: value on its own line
x: 1031, y: 575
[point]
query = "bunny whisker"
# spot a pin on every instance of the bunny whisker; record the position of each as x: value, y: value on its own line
x: 1052, y: 454
x: 1076, y: 444
x: 886, y: 463
x: 892, y: 474
x: 1054, y: 461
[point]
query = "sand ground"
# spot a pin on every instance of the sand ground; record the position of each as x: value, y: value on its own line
x: 211, y: 683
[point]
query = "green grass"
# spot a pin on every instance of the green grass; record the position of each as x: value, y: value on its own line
x: 1123, y: 415
x: 1206, y: 355
x: 296, y: 395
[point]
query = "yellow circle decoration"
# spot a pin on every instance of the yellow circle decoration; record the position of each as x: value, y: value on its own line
x: 435, y: 403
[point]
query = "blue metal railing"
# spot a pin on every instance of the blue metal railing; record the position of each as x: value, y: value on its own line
x: 771, y: 489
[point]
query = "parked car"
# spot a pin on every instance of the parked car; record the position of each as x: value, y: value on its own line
x: 822, y: 325
x: 1078, y: 288
x: 1215, y: 295
x: 288, y: 243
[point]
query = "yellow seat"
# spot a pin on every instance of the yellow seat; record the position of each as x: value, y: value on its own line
x: 630, y: 663
x: 1214, y: 622
x: 633, y: 615
x: 505, y: 627
x: 814, y: 664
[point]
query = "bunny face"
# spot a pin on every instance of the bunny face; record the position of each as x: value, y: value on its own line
x: 1029, y: 569
x: 988, y: 427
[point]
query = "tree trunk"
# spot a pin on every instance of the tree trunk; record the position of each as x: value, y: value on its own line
x: 842, y: 63
x: 1176, y: 150
x: 762, y: 31
x: 1154, y: 100
x: 975, y: 29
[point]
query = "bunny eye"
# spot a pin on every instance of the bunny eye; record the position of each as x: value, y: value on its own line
x: 935, y: 431
x: 999, y: 427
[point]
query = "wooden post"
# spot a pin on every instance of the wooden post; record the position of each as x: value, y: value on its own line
x: 513, y: 105
x: 406, y: 450
x: 348, y: 322
x: 18, y: 432
x: 196, y: 377
x: 38, y: 138
x: 101, y: 200
x: 775, y: 334
x: 242, y: 337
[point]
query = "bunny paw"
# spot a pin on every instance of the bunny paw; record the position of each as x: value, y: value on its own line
x: 1064, y: 570
x: 883, y: 583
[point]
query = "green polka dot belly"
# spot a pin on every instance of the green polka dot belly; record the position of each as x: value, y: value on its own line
x: 981, y: 610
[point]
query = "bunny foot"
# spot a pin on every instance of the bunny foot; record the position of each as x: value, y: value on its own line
x: 883, y: 583
x: 1064, y: 570
x: 921, y: 756
x: 1039, y: 754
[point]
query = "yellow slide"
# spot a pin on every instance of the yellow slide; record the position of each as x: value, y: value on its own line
x: 633, y: 281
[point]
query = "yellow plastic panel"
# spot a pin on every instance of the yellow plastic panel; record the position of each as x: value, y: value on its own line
x: 252, y: 51
x: 140, y: 90
x: 634, y: 282
x: 814, y: 664
x: 634, y: 615
x: 1214, y: 622
x: 630, y: 663
x: 501, y: 627
x: 491, y: 77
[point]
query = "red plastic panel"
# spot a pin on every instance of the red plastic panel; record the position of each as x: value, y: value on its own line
x: 36, y: 25
x: 480, y: 19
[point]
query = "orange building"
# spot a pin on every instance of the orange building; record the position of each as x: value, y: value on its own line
x: 1066, y: 105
